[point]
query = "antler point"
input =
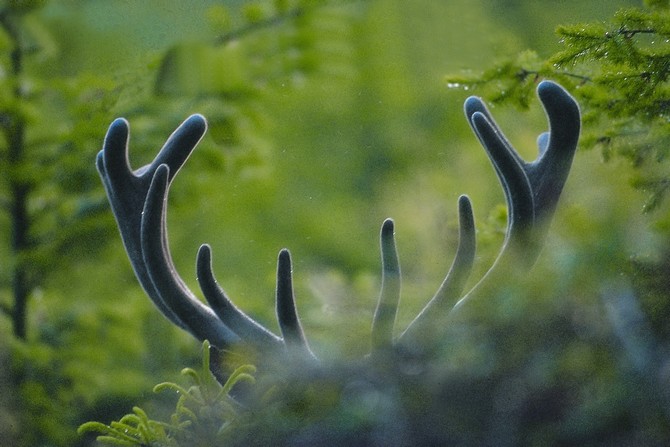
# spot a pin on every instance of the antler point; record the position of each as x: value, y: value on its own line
x: 197, y: 119
x: 388, y: 226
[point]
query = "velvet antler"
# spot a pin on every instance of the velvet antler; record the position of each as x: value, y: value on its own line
x: 139, y: 199
x: 532, y: 189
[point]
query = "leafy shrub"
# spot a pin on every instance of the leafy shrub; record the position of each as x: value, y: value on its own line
x: 204, y: 414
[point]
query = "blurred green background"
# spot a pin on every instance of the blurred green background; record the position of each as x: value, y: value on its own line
x: 321, y: 125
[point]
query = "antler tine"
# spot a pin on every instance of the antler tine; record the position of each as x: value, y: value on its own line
x: 248, y: 329
x: 510, y: 170
x: 239, y: 322
x: 454, y: 283
x: 287, y: 313
x: 199, y: 319
x: 459, y: 272
x: 557, y: 148
x: 127, y: 189
x: 389, y: 296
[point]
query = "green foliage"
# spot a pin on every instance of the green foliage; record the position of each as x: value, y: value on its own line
x: 204, y: 413
x: 132, y: 429
x: 63, y: 378
x: 64, y: 106
x: 251, y: 53
x: 330, y: 121
x: 620, y: 72
x: 53, y: 201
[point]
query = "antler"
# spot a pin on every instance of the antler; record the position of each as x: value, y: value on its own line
x: 532, y: 189
x: 139, y: 199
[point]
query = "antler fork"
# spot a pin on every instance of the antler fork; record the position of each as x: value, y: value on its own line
x: 139, y: 200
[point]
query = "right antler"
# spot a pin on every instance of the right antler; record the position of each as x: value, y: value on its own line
x: 531, y: 189
x: 139, y: 199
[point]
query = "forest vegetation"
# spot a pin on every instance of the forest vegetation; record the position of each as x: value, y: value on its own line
x: 324, y: 118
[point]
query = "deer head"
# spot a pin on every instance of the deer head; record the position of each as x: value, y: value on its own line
x: 139, y: 198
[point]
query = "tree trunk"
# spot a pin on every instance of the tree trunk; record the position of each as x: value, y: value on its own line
x: 19, y: 187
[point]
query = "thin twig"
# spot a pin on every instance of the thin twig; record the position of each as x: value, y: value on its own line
x: 629, y: 33
x: 261, y: 24
x: 524, y: 72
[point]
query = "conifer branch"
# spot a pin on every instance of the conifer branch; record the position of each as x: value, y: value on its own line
x: 629, y: 33
x: 524, y: 72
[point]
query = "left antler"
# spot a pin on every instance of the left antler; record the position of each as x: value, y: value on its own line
x: 139, y: 199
